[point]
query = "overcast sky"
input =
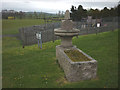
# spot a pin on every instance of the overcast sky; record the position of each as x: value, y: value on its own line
x: 53, y: 6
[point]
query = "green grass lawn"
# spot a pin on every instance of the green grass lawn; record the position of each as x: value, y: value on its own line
x: 12, y: 26
x: 33, y: 67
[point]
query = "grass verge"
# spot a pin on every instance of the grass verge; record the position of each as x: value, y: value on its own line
x: 32, y: 67
x: 12, y: 26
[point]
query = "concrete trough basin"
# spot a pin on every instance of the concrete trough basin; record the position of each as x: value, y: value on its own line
x: 76, y: 71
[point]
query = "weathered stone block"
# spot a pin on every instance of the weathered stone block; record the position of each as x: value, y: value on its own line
x: 76, y: 71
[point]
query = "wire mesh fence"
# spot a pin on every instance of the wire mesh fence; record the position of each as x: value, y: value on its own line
x: 28, y: 34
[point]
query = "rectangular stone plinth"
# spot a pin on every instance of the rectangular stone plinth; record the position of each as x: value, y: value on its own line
x: 76, y: 71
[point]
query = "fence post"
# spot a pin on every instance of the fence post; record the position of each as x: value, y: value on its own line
x: 53, y: 31
x: 87, y: 28
x: 23, y: 37
x: 96, y: 31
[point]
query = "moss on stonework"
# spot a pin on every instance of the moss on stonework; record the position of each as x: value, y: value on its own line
x: 76, y: 56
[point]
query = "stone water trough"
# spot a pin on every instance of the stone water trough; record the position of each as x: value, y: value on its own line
x: 76, y: 64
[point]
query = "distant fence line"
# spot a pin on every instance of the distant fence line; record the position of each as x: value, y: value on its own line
x: 28, y: 34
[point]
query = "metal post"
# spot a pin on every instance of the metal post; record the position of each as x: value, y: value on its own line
x: 41, y: 43
x: 38, y: 43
